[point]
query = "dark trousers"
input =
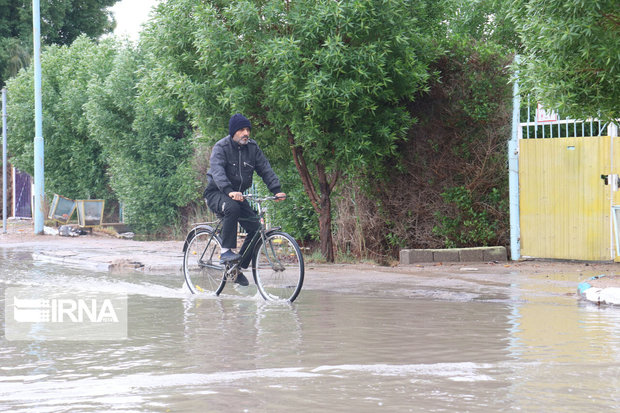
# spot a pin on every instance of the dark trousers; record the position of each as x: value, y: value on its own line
x: 233, y: 212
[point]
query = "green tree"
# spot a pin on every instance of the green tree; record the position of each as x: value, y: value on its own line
x: 452, y: 188
x: 324, y: 80
x: 482, y: 20
x: 62, y: 21
x: 14, y: 56
x: 148, y: 152
x: 571, y: 58
x: 105, y: 135
x: 74, y: 165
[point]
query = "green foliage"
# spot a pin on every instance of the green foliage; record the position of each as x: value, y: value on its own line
x: 475, y: 83
x: 459, y: 142
x: 483, y: 21
x: 104, y: 136
x: 330, y: 75
x: 334, y: 80
x: 570, y: 58
x: 479, y: 87
x: 148, y: 154
x: 471, y: 225
x: 14, y: 56
x: 74, y: 165
x: 337, y: 75
x: 62, y: 21
x: 295, y: 215
x: 394, y: 240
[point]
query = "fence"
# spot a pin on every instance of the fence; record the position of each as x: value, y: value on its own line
x: 542, y: 123
x: 566, y: 193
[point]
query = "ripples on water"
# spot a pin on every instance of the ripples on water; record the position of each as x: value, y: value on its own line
x: 424, y: 345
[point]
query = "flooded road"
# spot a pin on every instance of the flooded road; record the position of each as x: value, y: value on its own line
x: 475, y: 342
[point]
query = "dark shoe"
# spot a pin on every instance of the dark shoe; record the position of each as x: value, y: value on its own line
x: 229, y: 256
x: 240, y: 278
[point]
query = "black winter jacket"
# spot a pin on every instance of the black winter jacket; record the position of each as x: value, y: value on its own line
x: 232, y: 167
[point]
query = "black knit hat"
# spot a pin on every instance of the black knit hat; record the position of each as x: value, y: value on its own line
x: 236, y: 122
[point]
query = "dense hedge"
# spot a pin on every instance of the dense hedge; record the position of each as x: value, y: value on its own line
x: 449, y: 186
x: 105, y: 136
x: 74, y: 163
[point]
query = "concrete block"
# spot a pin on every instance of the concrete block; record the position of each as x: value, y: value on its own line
x: 405, y: 257
x: 479, y: 254
x: 471, y: 254
x: 495, y: 254
x: 421, y: 255
x: 446, y: 255
x: 413, y: 256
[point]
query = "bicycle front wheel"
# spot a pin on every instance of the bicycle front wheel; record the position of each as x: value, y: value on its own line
x: 278, y: 267
x: 201, y: 264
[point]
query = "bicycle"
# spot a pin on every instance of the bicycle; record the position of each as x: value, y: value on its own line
x: 277, y: 263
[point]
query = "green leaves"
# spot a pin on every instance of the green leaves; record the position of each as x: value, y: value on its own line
x: 324, y: 70
x: 149, y: 150
x: 325, y: 81
x: 108, y: 132
x: 570, y: 55
x: 62, y: 22
x: 328, y: 80
x: 343, y: 68
x: 74, y: 163
x: 471, y: 225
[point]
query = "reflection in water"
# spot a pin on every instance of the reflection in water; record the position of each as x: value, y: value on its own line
x: 569, y: 351
x: 526, y: 344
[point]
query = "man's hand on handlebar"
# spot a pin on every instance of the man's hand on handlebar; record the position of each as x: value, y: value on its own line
x: 238, y: 196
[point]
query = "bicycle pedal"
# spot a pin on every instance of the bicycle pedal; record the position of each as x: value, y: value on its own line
x: 231, y: 276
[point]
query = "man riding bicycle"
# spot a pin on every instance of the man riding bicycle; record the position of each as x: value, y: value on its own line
x: 234, y: 159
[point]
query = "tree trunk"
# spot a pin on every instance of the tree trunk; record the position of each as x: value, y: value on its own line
x: 325, y: 218
x: 325, y: 232
x: 321, y: 199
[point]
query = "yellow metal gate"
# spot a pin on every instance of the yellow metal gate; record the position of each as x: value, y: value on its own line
x: 565, y: 199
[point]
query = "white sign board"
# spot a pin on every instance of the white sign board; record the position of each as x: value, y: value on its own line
x: 543, y: 115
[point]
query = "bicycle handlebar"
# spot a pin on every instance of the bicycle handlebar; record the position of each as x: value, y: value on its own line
x: 258, y: 198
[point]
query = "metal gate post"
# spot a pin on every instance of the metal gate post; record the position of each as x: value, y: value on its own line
x: 612, y: 131
x: 39, y: 170
x: 513, y: 170
x: 4, y: 208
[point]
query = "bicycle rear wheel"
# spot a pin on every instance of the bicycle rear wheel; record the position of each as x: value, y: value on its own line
x: 278, y: 267
x: 201, y: 263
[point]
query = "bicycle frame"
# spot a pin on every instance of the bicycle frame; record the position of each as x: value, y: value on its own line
x: 261, y: 233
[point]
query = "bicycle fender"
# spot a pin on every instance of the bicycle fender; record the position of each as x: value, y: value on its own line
x: 272, y: 230
x: 193, y: 232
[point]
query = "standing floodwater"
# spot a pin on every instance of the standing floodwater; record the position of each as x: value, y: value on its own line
x: 414, y: 343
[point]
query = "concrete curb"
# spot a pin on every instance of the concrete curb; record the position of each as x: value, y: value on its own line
x: 70, y: 261
x: 477, y: 254
x: 107, y: 261
x: 607, y: 295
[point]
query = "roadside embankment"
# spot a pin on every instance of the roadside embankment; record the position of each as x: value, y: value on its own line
x: 103, y: 252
